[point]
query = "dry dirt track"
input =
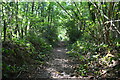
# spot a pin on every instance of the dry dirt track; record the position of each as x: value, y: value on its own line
x: 59, y: 67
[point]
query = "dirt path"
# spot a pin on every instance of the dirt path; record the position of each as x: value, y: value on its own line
x: 59, y: 67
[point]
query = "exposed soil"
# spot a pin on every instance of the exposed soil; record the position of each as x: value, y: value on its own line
x: 59, y: 67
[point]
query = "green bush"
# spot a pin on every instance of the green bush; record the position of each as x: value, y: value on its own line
x: 17, y: 54
x: 38, y: 42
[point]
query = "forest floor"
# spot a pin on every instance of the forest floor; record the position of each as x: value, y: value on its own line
x: 59, y: 67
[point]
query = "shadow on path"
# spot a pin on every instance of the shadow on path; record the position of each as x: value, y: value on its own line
x: 59, y: 66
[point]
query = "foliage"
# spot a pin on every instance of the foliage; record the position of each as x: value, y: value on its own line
x: 31, y: 29
x: 38, y: 42
x: 94, y: 58
x: 24, y: 52
x: 50, y: 35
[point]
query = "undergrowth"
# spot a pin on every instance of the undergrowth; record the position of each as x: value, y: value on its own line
x: 95, y: 60
x: 19, y: 54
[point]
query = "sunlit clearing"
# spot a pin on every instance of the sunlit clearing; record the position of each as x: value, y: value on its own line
x: 62, y: 34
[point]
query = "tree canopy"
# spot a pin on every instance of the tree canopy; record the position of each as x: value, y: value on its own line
x: 90, y: 30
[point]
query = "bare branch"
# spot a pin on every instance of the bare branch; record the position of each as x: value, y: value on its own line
x: 111, y: 21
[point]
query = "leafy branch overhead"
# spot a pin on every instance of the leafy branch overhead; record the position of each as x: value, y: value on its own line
x: 35, y: 34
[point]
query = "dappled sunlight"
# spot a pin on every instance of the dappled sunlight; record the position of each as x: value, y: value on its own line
x: 60, y: 39
x: 51, y: 69
x: 66, y: 49
x: 62, y: 60
x: 59, y: 50
x: 56, y: 74
x: 60, y: 66
x: 66, y: 66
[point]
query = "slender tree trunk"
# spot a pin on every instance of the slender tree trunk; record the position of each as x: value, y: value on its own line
x: 26, y: 10
x: 32, y: 13
x: 16, y: 28
x: 49, y: 13
x: 42, y: 12
x: 4, y: 26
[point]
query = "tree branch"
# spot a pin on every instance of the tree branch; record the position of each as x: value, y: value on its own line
x: 64, y: 9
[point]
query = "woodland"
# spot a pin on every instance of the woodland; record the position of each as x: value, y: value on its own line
x: 60, y: 40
